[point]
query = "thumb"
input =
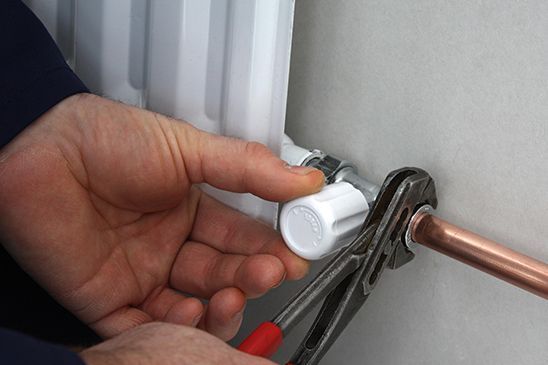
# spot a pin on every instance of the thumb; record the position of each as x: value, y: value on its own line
x: 240, y: 166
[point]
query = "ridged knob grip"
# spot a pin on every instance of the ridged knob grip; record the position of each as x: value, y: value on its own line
x: 319, y: 224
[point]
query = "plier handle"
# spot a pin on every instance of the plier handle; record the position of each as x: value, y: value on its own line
x: 347, y: 280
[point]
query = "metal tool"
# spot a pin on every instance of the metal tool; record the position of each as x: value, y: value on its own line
x: 349, y: 278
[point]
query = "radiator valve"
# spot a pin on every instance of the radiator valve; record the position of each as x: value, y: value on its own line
x: 317, y: 225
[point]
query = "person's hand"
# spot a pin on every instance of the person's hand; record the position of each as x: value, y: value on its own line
x: 167, y: 344
x: 97, y: 203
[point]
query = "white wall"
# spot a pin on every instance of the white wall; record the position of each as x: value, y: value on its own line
x: 459, y: 88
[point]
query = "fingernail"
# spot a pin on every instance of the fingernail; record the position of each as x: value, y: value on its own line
x: 196, y: 320
x: 238, y: 317
x: 300, y: 170
x: 281, y: 281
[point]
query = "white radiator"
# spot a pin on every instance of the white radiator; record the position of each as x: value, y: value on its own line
x: 222, y: 65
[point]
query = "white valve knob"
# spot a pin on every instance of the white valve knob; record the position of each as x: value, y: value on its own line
x: 319, y: 224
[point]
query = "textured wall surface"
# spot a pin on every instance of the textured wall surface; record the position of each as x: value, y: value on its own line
x: 459, y: 88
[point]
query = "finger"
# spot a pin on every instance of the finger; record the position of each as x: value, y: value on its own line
x: 230, y: 231
x: 120, y: 321
x: 168, y: 305
x: 203, y: 271
x: 239, y: 166
x: 224, y: 313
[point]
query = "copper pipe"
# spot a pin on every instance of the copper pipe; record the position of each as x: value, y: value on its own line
x: 481, y: 253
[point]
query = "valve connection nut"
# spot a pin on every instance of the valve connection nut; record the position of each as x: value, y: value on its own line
x: 319, y: 224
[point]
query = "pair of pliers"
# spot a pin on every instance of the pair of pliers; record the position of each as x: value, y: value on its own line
x: 348, y: 279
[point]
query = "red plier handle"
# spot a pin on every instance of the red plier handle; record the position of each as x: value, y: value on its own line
x: 264, y: 341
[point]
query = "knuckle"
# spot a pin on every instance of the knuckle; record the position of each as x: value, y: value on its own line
x: 256, y: 149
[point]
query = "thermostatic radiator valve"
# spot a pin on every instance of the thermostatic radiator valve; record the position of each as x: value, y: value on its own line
x: 319, y: 224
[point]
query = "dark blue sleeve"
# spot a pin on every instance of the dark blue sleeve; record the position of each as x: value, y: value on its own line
x: 33, y: 73
x: 17, y: 349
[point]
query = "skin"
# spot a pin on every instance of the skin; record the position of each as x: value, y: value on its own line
x: 167, y: 344
x: 99, y: 204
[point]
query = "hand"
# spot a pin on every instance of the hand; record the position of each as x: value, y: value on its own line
x: 166, y: 344
x: 98, y: 204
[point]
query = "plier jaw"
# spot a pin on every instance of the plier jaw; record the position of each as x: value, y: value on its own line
x: 349, y: 278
